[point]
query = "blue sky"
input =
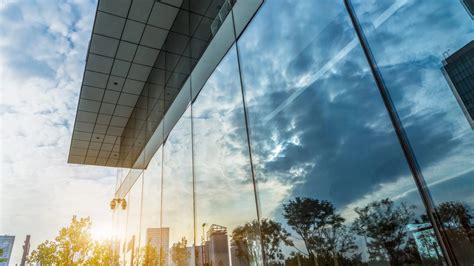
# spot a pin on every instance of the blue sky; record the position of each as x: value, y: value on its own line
x: 42, y: 53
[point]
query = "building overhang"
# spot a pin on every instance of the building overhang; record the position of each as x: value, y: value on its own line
x: 142, y: 57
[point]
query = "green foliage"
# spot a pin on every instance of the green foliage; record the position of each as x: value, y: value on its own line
x: 74, y: 241
x: 46, y: 254
x: 383, y: 225
x: 74, y: 246
x: 320, y: 227
x: 455, y: 214
x: 180, y: 254
x: 1, y: 254
x: 270, y: 233
x: 150, y: 255
x: 103, y: 253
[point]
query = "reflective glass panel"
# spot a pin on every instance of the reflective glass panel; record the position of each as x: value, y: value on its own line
x: 425, y: 53
x: 227, y: 230
x: 333, y: 184
x: 131, y: 246
x: 150, y: 229
x: 177, y: 227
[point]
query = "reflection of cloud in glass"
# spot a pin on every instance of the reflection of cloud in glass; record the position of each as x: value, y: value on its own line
x: 151, y: 202
x: 327, y: 133
x: 177, y: 213
x: 224, y: 192
x: 409, y: 48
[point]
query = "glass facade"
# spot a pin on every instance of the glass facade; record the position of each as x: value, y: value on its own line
x: 287, y: 153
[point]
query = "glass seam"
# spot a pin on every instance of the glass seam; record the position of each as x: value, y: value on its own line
x: 247, y: 131
x: 402, y: 137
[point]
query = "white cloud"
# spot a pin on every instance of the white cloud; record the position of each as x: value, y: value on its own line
x: 42, y: 52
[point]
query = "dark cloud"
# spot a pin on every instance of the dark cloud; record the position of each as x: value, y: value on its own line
x: 339, y: 121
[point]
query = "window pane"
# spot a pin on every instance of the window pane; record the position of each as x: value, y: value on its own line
x: 177, y: 214
x: 131, y: 245
x: 226, y: 211
x: 425, y: 52
x: 150, y: 230
x: 332, y: 180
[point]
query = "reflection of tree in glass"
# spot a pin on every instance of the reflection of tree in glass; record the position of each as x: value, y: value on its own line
x: 383, y: 225
x: 179, y: 253
x: 321, y: 229
x: 103, y: 253
x: 150, y: 256
x: 270, y: 233
x: 455, y: 214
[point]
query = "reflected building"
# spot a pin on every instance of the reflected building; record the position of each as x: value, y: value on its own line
x: 217, y: 246
x: 263, y: 117
x: 6, y: 245
x: 469, y: 5
x: 158, y: 239
x: 459, y: 71
x: 425, y: 240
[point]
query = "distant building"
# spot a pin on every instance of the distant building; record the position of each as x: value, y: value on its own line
x: 191, y: 251
x: 469, y: 5
x: 425, y: 240
x: 6, y: 245
x: 458, y: 69
x: 198, y: 252
x: 159, y: 238
x: 218, y: 245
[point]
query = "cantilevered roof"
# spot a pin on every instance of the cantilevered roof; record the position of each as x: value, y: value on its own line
x: 139, y: 56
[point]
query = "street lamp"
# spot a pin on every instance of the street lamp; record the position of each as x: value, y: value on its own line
x: 202, y: 244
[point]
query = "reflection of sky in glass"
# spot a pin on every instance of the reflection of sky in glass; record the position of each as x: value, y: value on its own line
x: 409, y: 48
x: 317, y: 124
x: 224, y: 192
x: 319, y: 128
x: 177, y: 213
x: 335, y: 137
x: 151, y: 204
x: 133, y: 220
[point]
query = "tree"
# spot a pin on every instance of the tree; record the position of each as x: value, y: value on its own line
x: 74, y: 241
x: 320, y: 227
x: 149, y: 255
x: 455, y: 217
x: 74, y: 246
x: 179, y: 253
x: 103, y: 253
x: 383, y: 225
x: 270, y: 233
x: 455, y: 214
x: 1, y: 255
x: 45, y: 254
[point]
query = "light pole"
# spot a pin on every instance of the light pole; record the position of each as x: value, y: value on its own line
x: 202, y: 244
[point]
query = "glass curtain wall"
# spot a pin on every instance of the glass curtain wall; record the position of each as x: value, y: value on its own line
x: 150, y: 228
x: 330, y: 171
x: 413, y: 44
x: 177, y: 221
x: 226, y: 215
x: 131, y: 245
x: 287, y: 155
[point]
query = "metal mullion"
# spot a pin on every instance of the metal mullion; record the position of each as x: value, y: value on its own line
x: 249, y: 146
x: 402, y: 138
